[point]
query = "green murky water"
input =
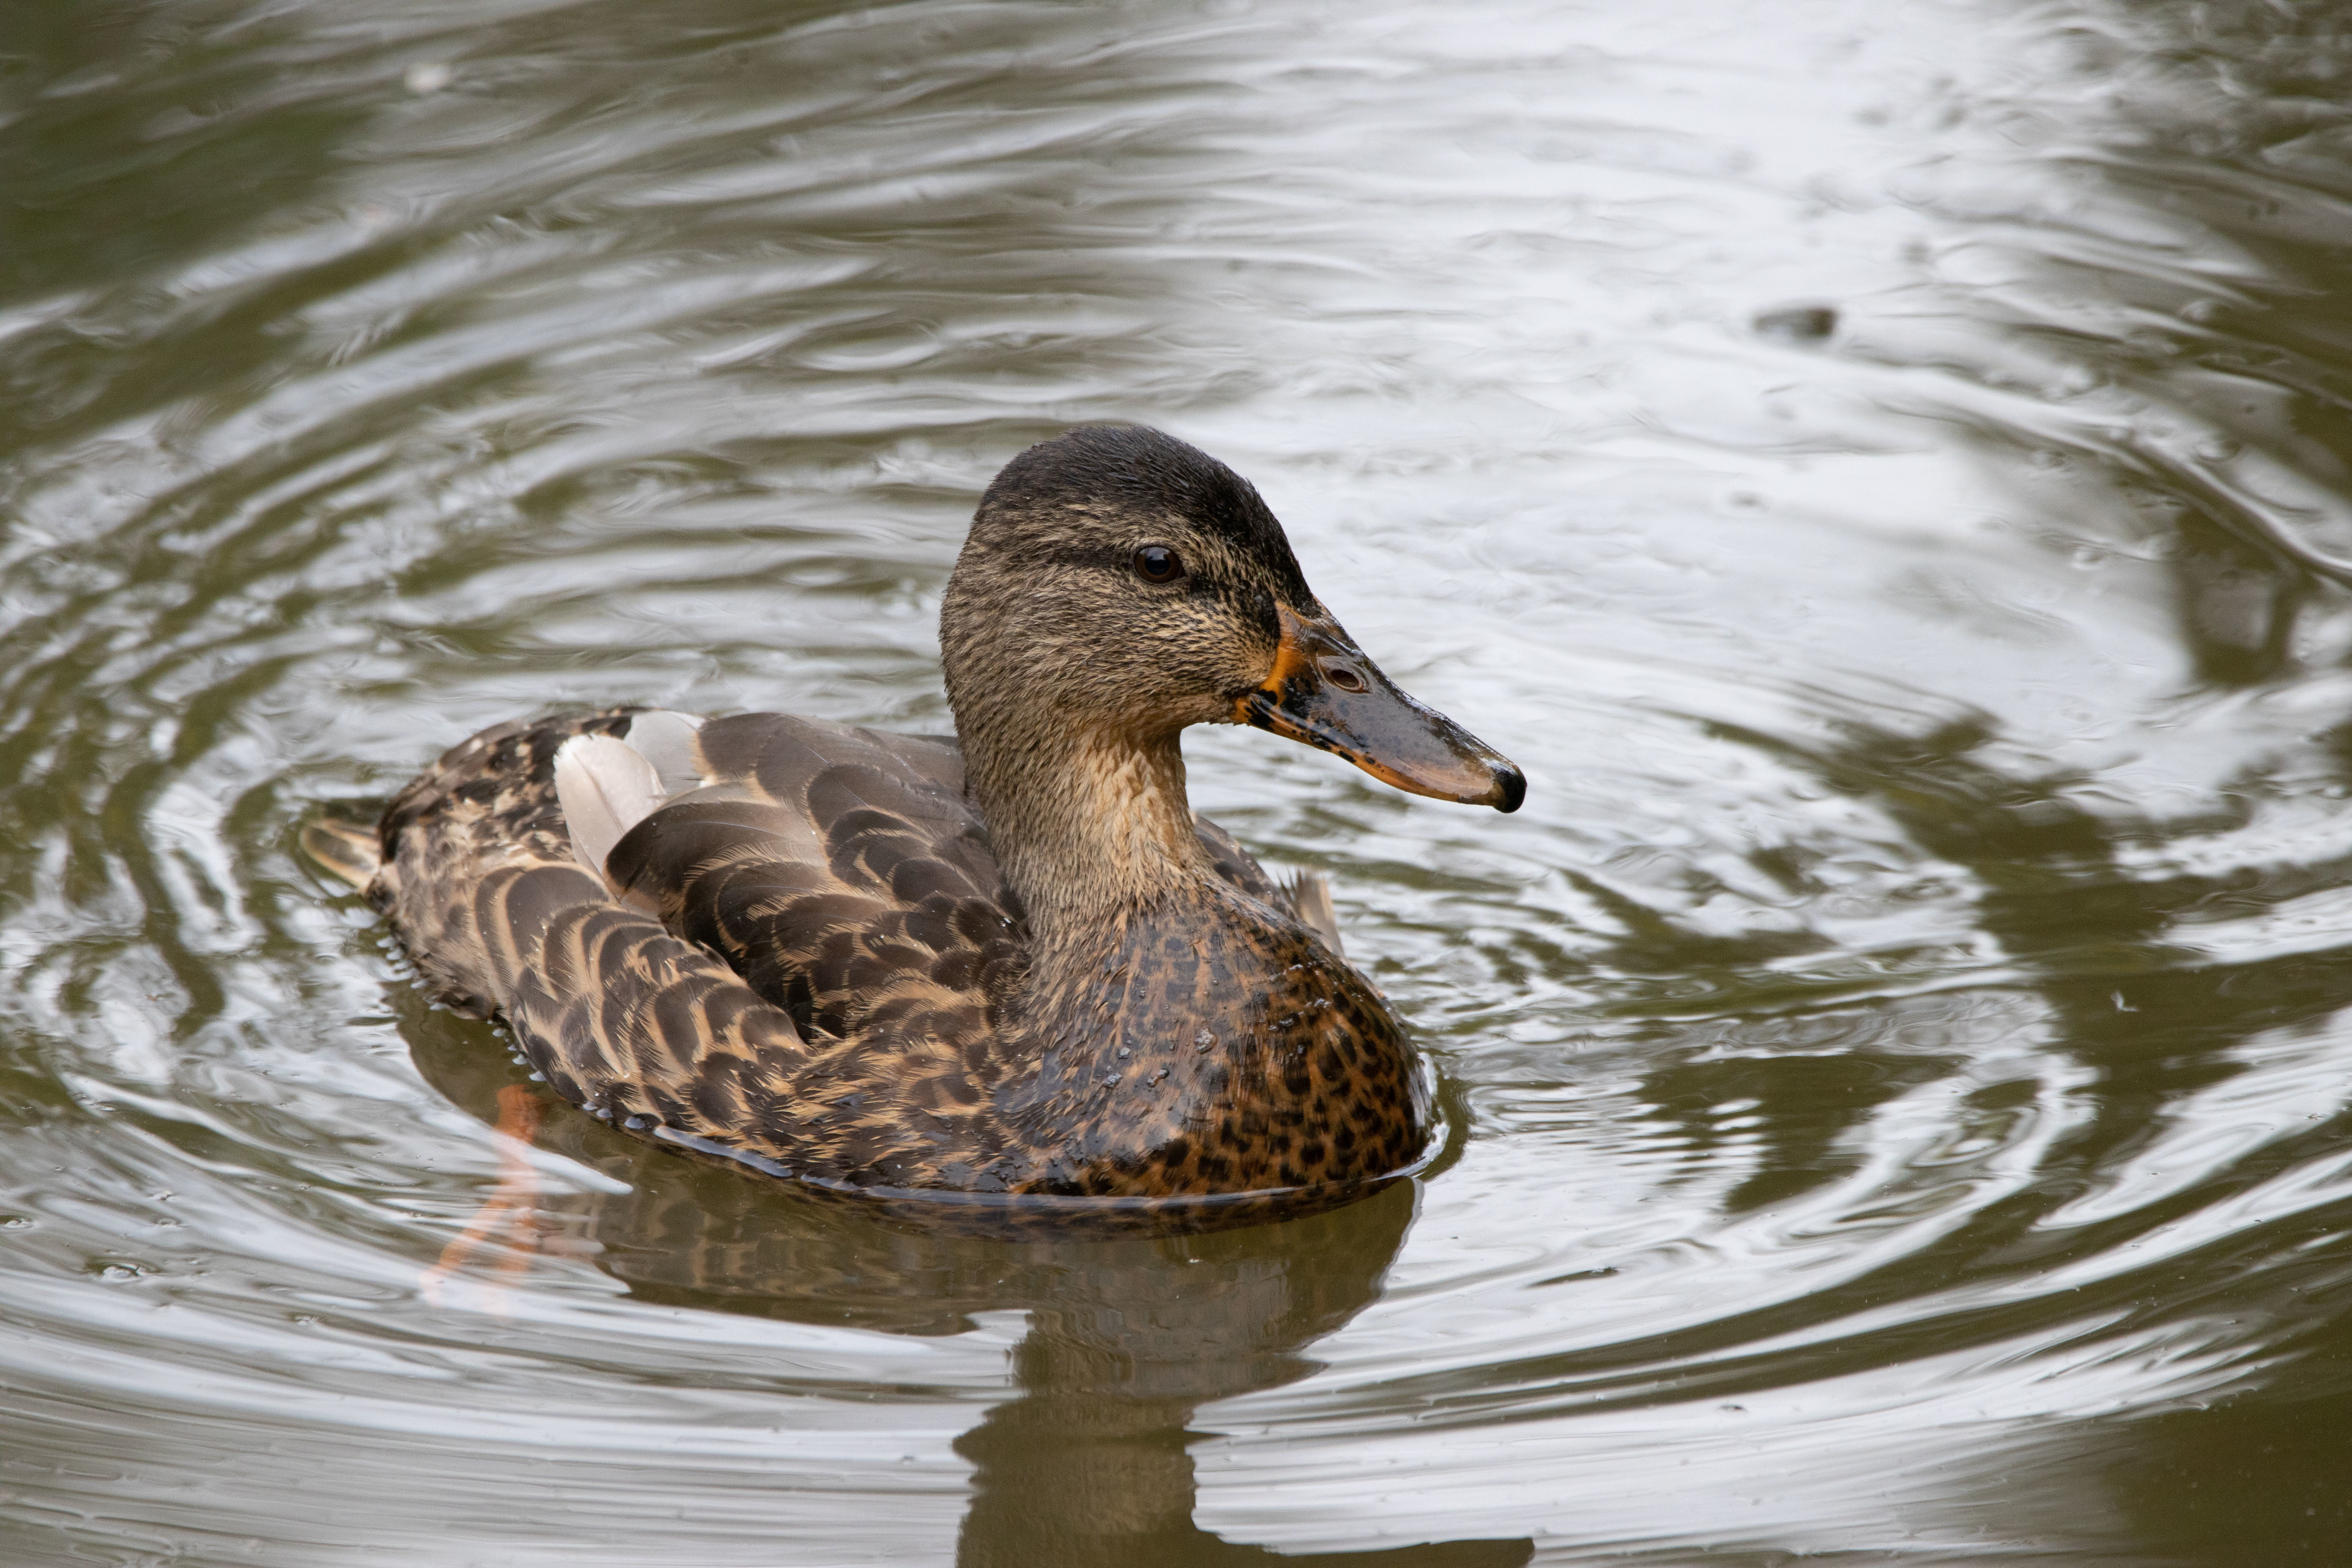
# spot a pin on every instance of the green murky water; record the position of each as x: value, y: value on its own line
x: 1882, y: 469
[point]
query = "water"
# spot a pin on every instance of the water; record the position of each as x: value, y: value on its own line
x: 1881, y: 470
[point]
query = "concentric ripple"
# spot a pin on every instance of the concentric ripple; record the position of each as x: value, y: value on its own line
x: 1883, y: 471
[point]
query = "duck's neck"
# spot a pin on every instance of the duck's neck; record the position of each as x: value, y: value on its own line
x: 1092, y: 827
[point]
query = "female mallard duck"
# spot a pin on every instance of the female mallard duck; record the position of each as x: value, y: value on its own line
x: 1011, y: 963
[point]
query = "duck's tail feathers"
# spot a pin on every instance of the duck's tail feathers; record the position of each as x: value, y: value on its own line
x: 1310, y: 900
x: 346, y: 850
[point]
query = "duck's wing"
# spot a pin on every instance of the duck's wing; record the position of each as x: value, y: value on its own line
x: 842, y: 873
x: 634, y: 1019
x: 478, y: 873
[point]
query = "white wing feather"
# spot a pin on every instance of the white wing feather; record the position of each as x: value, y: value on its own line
x: 605, y: 787
x: 667, y: 740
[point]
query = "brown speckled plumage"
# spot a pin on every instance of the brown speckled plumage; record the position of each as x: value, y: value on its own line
x: 1015, y: 964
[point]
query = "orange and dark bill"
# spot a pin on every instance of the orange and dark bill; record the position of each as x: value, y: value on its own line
x: 1325, y: 693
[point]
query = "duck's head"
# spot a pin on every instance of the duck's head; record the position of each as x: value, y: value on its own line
x: 1119, y: 584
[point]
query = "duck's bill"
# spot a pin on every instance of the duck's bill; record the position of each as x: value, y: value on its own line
x: 1324, y: 693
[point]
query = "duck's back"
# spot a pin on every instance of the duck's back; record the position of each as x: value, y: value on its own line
x: 839, y: 871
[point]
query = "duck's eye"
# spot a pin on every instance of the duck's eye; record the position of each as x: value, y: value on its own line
x: 1158, y: 564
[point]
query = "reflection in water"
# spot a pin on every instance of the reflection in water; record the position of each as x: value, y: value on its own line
x: 1089, y: 1464
x: 1885, y: 470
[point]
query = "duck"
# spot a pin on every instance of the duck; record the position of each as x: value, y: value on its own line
x: 1007, y: 967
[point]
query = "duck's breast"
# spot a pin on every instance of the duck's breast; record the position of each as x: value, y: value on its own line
x: 1218, y: 1049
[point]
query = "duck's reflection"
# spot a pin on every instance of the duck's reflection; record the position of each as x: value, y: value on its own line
x: 1128, y: 1335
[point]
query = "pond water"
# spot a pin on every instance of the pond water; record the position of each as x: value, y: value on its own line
x: 1880, y: 468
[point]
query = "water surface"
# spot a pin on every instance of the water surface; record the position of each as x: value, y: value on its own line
x: 1881, y: 470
